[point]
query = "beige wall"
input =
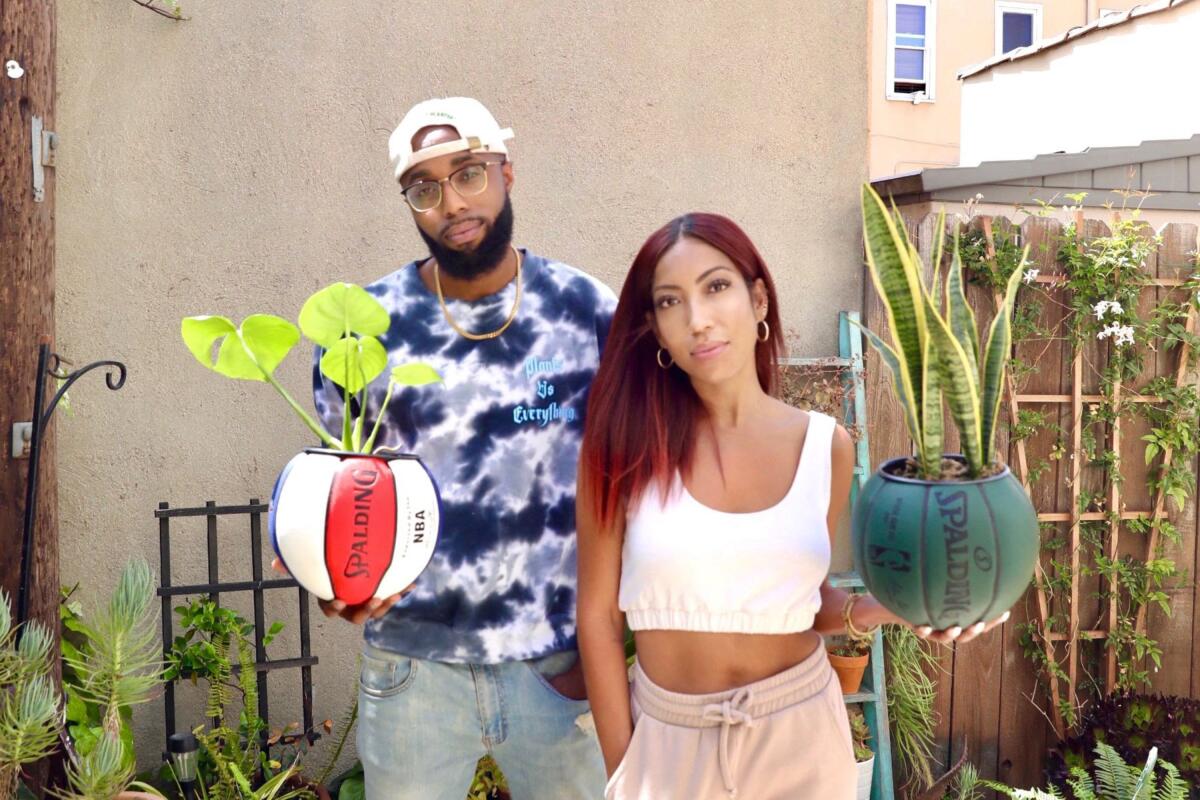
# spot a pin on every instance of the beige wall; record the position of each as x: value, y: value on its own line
x: 906, y: 137
x: 236, y: 162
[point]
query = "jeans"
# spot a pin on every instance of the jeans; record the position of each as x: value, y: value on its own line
x: 423, y: 725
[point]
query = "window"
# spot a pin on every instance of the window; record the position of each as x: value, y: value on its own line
x: 1017, y: 25
x: 910, y: 57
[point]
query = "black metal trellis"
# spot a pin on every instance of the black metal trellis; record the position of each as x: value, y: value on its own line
x: 214, y: 589
x: 49, y: 365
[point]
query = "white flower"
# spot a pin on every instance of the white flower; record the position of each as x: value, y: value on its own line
x: 979, y: 195
x: 14, y: 68
x: 1031, y: 276
x: 1100, y: 308
x: 1115, y: 307
x: 1124, y: 335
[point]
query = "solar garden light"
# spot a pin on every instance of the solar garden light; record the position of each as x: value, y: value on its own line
x: 183, y: 748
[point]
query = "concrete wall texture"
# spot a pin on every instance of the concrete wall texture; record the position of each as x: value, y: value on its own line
x: 236, y: 162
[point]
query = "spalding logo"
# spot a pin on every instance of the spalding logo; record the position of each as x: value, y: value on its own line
x: 360, y: 528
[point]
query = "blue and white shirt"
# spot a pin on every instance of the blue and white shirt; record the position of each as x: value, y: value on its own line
x: 501, y: 437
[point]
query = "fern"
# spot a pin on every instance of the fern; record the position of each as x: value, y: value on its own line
x: 345, y: 726
x: 1172, y: 787
x: 1023, y: 794
x: 1114, y: 780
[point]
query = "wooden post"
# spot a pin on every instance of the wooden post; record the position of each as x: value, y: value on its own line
x: 27, y: 37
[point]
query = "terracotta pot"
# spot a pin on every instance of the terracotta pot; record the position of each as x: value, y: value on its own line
x: 849, y: 670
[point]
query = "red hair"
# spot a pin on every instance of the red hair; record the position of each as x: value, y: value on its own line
x: 641, y: 419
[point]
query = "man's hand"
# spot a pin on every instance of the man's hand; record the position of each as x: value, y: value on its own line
x: 374, y: 608
x: 570, y: 683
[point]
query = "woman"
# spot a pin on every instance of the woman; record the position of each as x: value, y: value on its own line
x: 706, y: 508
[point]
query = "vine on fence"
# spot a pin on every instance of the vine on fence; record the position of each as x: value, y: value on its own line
x: 1103, y: 278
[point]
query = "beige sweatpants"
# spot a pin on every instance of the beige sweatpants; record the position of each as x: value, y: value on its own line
x: 783, y: 738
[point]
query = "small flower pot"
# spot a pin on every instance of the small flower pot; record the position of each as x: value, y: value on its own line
x: 866, y: 771
x: 849, y: 670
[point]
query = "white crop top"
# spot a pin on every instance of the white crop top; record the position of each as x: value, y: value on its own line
x: 685, y: 566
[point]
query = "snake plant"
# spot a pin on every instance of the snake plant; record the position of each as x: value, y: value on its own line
x: 934, y: 351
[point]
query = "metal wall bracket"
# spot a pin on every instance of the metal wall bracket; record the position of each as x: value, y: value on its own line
x: 45, y: 148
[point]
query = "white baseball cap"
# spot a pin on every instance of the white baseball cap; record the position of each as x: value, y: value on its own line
x: 477, y: 129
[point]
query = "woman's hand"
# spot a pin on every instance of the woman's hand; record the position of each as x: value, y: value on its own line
x: 956, y: 634
x: 869, y: 612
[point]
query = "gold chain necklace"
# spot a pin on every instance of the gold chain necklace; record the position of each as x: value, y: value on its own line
x: 479, y: 337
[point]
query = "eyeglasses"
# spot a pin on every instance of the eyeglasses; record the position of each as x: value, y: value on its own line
x: 468, y: 181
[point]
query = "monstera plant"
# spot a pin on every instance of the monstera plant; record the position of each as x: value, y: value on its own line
x: 940, y: 539
x: 348, y: 522
x: 342, y: 318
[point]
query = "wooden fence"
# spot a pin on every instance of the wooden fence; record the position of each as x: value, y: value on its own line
x: 988, y: 688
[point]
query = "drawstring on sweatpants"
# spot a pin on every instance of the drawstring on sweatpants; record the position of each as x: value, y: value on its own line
x: 729, y: 713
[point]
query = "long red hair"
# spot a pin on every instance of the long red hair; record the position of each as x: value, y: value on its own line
x: 641, y: 419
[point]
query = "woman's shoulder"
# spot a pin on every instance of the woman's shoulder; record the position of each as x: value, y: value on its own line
x: 801, y: 422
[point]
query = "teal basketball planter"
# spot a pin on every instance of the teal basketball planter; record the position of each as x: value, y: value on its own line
x: 944, y: 553
x: 941, y: 540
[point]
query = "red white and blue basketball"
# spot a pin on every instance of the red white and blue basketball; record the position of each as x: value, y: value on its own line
x: 351, y: 526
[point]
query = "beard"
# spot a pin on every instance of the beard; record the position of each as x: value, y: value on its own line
x: 465, y: 265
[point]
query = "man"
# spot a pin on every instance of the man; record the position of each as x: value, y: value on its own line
x: 480, y: 657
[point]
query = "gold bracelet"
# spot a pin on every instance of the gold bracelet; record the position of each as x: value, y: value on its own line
x: 853, y: 632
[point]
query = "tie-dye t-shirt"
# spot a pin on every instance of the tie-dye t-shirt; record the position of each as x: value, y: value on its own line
x: 501, y: 436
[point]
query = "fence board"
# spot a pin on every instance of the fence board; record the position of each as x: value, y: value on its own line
x: 1176, y: 259
x: 1023, y: 729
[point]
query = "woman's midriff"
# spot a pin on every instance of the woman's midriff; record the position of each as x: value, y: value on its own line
x: 702, y: 663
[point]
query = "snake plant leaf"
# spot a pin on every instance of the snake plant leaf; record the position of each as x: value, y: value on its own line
x: 960, y: 385
x: 354, y: 362
x: 939, y: 250
x: 932, y: 423
x: 960, y: 315
x: 898, y: 283
x: 995, y: 359
x: 896, y: 367
x: 339, y: 310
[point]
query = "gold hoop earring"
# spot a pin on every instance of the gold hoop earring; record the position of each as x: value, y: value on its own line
x: 659, y: 358
x: 764, y: 330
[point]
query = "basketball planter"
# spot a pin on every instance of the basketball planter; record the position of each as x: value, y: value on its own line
x: 348, y: 524
x: 352, y: 526
x: 940, y: 539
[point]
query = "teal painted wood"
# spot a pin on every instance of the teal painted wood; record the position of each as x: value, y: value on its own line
x: 874, y: 695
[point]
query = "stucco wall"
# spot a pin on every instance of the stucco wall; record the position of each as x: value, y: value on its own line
x: 236, y: 162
